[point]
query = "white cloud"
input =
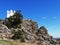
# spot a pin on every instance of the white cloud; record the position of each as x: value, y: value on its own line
x: 49, y: 17
x: 54, y: 17
x: 44, y: 17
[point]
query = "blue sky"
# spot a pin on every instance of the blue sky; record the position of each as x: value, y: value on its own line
x: 44, y: 12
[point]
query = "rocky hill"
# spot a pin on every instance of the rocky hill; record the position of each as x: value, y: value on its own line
x: 31, y: 33
x: 25, y: 30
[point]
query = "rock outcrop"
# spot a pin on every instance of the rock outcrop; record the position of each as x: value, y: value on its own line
x: 31, y: 33
x: 4, y: 32
x: 34, y: 34
x: 45, y: 38
x: 29, y: 28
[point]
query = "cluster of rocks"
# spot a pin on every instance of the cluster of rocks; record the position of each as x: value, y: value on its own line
x: 4, y: 32
x: 31, y: 33
x: 45, y: 38
x: 29, y: 28
x: 34, y: 34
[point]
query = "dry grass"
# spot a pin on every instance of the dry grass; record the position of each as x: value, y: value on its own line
x: 4, y: 42
x: 18, y: 43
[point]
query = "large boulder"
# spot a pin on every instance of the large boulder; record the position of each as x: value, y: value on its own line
x: 4, y: 32
x: 45, y: 38
x: 29, y: 25
x: 29, y: 28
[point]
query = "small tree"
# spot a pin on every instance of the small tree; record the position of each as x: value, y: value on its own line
x: 17, y: 17
x: 14, y: 20
x: 18, y: 35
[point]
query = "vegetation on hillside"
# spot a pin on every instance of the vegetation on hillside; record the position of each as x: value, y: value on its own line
x: 4, y: 42
x: 18, y: 35
x: 14, y: 20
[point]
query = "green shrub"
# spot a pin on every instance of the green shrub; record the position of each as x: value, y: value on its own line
x: 22, y: 39
x: 15, y: 20
x: 18, y: 35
